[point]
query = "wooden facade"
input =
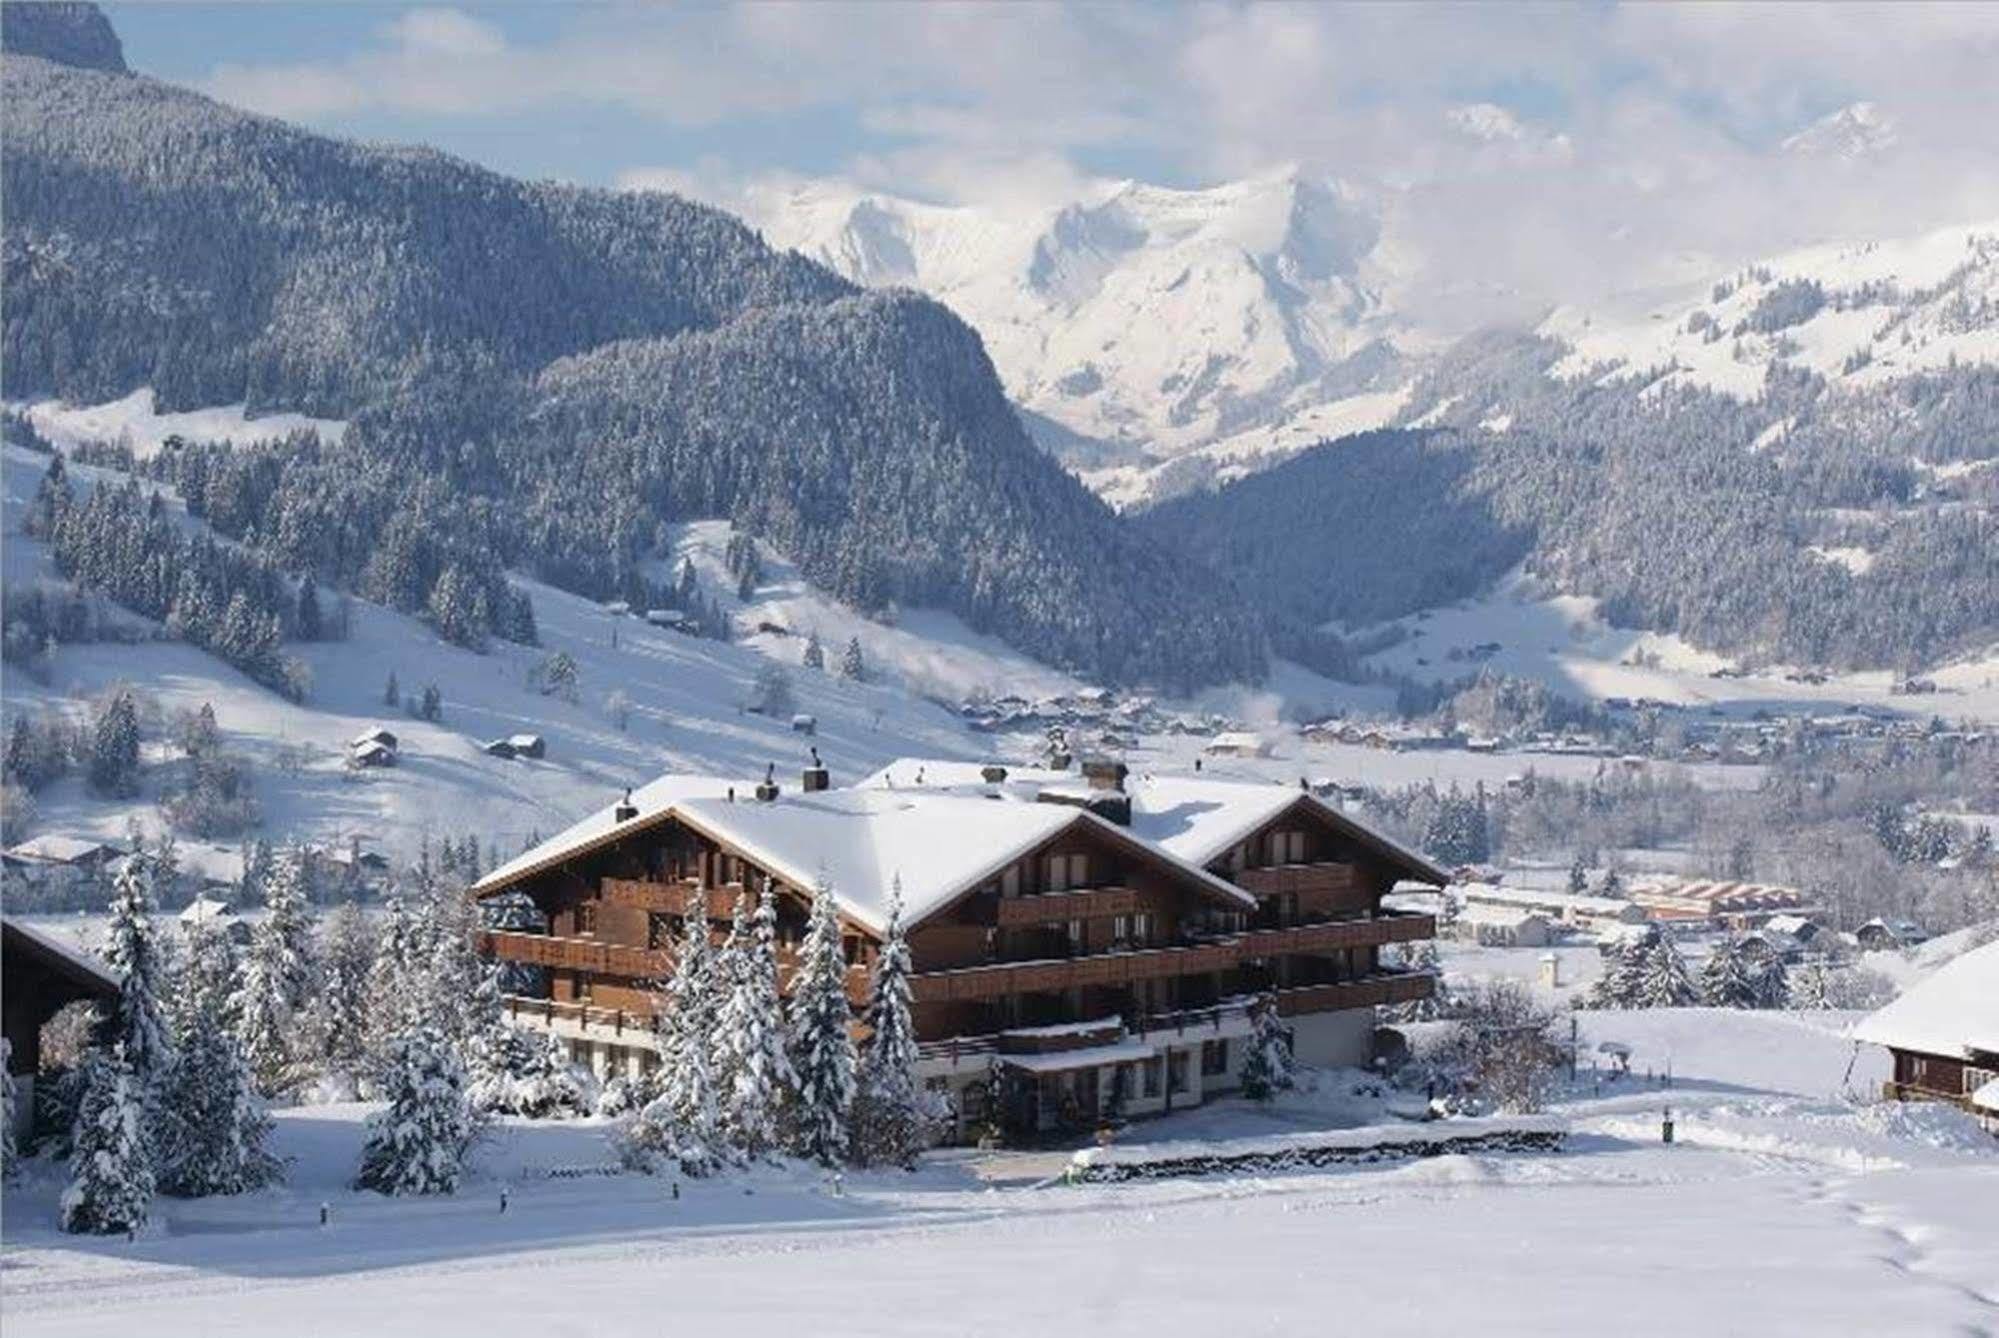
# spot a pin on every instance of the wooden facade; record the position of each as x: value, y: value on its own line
x: 1092, y: 924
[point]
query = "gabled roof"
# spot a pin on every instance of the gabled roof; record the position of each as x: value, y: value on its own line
x: 1953, y: 1009
x: 941, y: 842
x: 91, y: 976
x: 55, y: 848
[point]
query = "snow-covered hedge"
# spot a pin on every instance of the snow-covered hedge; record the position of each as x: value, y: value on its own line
x: 1283, y: 1152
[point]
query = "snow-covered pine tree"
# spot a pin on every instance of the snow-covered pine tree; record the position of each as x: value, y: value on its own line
x: 726, y: 975
x: 680, y: 1124
x: 111, y: 1158
x: 215, y: 1124
x: 392, y: 692
x: 822, y: 1047
x: 114, y: 747
x: 851, y: 664
x: 756, y: 1080
x: 1617, y: 986
x: 1662, y: 980
x: 417, y: 1144
x: 890, y: 1121
x: 338, y: 1016
x: 1578, y: 877
x: 1726, y: 980
x: 132, y: 948
x: 1267, y: 1068
x: 1770, y: 981
x: 1810, y: 986
x: 276, y: 980
x: 9, y: 1094
x: 204, y: 981
x: 815, y: 653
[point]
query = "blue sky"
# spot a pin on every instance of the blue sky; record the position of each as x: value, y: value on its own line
x: 1582, y: 136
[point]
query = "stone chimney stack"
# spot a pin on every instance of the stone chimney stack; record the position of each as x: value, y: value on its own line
x: 767, y: 791
x: 626, y: 809
x: 817, y: 778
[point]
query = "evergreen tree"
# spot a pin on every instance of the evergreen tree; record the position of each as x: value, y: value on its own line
x: 1617, y: 987
x: 815, y: 654
x: 680, y: 1124
x: 1612, y: 885
x: 1662, y: 980
x: 215, y: 1123
x: 432, y: 708
x: 132, y: 948
x: 1578, y: 877
x: 9, y: 1094
x: 204, y: 980
x: 756, y: 1078
x: 889, y: 1107
x: 111, y: 1159
x: 339, y: 1010
x: 1726, y: 980
x: 310, y: 623
x: 417, y: 1145
x: 1770, y: 983
x: 114, y: 747
x: 392, y: 693
x: 1267, y: 1067
x: 822, y: 1047
x: 851, y: 665
x: 277, y: 979
x: 1810, y: 987
x: 687, y: 586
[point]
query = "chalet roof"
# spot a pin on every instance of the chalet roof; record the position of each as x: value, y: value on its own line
x: 1509, y: 917
x: 940, y: 842
x: 92, y: 977
x: 1195, y: 818
x: 1953, y: 1009
x: 203, y: 910
x: 1538, y: 899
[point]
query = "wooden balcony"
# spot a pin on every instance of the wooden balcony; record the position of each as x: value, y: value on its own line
x: 1329, y: 935
x: 1387, y: 987
x: 614, y: 1022
x: 1050, y: 976
x: 1302, y: 879
x: 1083, y: 903
x: 574, y: 954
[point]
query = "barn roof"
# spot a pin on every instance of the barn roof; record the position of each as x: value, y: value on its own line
x: 90, y: 975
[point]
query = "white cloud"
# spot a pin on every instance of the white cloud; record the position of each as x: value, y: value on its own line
x: 1535, y: 153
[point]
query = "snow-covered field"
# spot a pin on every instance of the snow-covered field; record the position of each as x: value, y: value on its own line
x: 134, y: 421
x: 1780, y: 1208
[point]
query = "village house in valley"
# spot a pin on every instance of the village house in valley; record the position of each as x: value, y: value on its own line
x: 1082, y: 939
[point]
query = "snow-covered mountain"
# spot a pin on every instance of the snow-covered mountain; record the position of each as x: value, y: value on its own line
x: 1138, y: 323
x: 1859, y: 315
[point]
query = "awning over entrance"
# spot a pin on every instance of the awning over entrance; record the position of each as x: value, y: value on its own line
x: 1064, y: 1061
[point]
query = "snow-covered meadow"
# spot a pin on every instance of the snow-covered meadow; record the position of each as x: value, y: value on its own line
x: 1781, y: 1207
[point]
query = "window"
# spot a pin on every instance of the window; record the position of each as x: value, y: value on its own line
x: 1152, y: 1075
x: 1010, y: 881
x: 1141, y: 927
x: 1076, y: 939
x: 586, y: 986
x: 586, y: 917
x: 1067, y: 871
x: 1121, y: 929
x: 1176, y: 1071
x: 1214, y: 1058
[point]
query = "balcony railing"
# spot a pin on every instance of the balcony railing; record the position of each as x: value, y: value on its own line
x: 1299, y: 878
x: 613, y: 1021
x: 574, y: 954
x: 1053, y: 975
x: 1193, y: 1021
x: 1383, y: 987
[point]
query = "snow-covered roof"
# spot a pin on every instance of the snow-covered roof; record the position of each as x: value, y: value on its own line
x: 1239, y: 740
x: 651, y: 801
x: 1195, y: 818
x: 204, y: 909
x: 1494, y: 894
x: 58, y: 849
x: 1509, y: 917
x: 89, y: 971
x: 1987, y: 1097
x: 1062, y: 1061
x: 1953, y: 1009
x: 376, y: 735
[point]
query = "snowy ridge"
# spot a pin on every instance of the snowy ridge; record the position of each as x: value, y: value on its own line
x: 136, y: 421
x: 1148, y: 320
x: 1858, y: 314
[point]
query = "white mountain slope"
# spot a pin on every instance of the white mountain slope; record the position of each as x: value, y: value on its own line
x: 685, y: 711
x: 1859, y: 314
x: 1148, y: 321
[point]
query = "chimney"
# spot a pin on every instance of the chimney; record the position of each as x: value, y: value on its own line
x: 626, y: 809
x: 817, y: 778
x: 768, y: 790
x: 1105, y: 773
x: 992, y: 773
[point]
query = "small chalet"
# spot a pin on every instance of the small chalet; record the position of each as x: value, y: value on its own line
x: 1879, y: 935
x: 1238, y: 743
x: 377, y: 735
x: 43, y: 975
x: 373, y: 754
x: 209, y: 913
x: 527, y: 745
x: 76, y: 853
x: 1944, y: 1035
x: 1080, y: 939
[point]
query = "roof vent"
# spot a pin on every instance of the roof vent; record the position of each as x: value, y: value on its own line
x: 817, y: 778
x: 626, y: 809
x: 768, y: 790
x: 1104, y: 773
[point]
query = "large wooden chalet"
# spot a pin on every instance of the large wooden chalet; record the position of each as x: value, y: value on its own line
x: 1078, y: 937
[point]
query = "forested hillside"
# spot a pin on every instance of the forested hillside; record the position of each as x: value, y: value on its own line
x: 1810, y: 525
x: 543, y: 377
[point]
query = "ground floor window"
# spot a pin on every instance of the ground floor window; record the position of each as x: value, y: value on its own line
x: 1214, y: 1058
x: 1176, y: 1071
x: 1152, y: 1076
